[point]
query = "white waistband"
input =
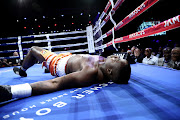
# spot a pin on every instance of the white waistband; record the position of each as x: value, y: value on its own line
x: 61, y: 65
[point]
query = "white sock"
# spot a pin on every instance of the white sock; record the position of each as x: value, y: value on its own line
x: 23, y: 69
x: 21, y: 90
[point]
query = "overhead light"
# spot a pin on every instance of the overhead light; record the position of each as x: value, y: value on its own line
x: 25, y: 18
x: 99, y: 13
x: 62, y: 15
x: 44, y: 17
x: 35, y: 19
x: 81, y: 14
x: 17, y: 20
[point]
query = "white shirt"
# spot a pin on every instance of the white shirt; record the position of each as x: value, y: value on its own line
x: 152, y: 60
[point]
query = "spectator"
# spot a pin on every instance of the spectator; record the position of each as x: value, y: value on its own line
x: 15, y: 61
x: 138, y: 55
x: 160, y: 52
x: 132, y: 50
x: 175, y: 58
x: 1, y: 63
x: 166, y: 57
x: 5, y: 63
x: 150, y: 59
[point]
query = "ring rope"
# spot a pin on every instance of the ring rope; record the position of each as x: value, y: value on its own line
x: 139, y: 10
x: 167, y: 25
x: 116, y: 6
x: 72, y: 51
x: 54, y: 34
x: 68, y: 45
x: 103, y: 14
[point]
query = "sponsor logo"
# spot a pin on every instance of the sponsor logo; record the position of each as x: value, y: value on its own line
x: 171, y: 21
x: 75, y: 94
x: 137, y: 34
x: 136, y: 11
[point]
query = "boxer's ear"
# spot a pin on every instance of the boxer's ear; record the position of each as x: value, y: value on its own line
x: 109, y: 71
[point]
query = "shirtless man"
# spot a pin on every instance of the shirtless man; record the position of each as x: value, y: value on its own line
x: 72, y: 70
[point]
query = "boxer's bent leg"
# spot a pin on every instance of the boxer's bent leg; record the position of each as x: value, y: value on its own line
x: 32, y: 57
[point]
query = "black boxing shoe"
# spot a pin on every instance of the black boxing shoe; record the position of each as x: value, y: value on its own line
x: 20, y: 72
x: 5, y: 93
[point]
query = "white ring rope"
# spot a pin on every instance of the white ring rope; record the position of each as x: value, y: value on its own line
x: 60, y: 39
x: 112, y: 11
x: 102, y: 15
x: 68, y: 45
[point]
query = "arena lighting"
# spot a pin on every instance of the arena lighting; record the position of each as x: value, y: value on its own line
x: 99, y: 13
x: 72, y: 16
x: 44, y: 17
x: 54, y: 18
x: 62, y: 15
x: 72, y: 23
x: 35, y: 19
x: 39, y: 26
x: 81, y: 14
x: 17, y: 20
x: 55, y: 24
x: 25, y: 18
x: 24, y: 27
x: 48, y: 27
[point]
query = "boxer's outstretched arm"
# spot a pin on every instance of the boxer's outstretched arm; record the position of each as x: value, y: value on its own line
x: 83, y: 78
x: 73, y: 80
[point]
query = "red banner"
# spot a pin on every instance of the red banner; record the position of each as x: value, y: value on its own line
x: 161, y: 27
x: 139, y: 10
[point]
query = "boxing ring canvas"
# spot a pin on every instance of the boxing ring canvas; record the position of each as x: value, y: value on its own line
x: 153, y: 93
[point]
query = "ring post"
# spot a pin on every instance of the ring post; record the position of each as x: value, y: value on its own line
x: 90, y: 39
x: 20, y: 48
x: 49, y: 42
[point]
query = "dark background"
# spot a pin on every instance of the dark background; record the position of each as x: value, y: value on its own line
x: 13, y: 10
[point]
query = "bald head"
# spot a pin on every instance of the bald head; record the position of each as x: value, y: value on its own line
x: 175, y: 54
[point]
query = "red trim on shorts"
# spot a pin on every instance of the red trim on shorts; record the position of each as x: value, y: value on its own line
x: 51, y: 66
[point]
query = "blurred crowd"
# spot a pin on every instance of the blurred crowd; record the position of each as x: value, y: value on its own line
x: 166, y: 57
x: 10, y: 62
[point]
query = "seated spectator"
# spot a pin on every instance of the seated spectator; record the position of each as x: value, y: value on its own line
x: 1, y: 63
x: 138, y: 55
x: 160, y: 52
x: 16, y: 61
x: 150, y: 59
x: 5, y: 63
x: 163, y: 61
x: 175, y: 58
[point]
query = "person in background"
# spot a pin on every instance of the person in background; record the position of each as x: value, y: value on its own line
x: 175, y: 58
x: 132, y: 50
x: 138, y: 55
x: 160, y: 52
x: 150, y: 59
x: 5, y: 63
x: 163, y: 61
x: 15, y: 61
